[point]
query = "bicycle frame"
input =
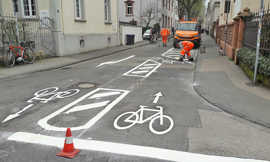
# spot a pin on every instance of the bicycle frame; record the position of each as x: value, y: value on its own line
x: 142, y: 109
x: 18, y: 54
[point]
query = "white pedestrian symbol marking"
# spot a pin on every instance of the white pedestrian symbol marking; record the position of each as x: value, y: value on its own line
x: 144, y: 70
x: 100, y: 98
x: 129, y: 119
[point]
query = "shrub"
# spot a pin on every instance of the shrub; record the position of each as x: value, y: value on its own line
x: 248, y: 57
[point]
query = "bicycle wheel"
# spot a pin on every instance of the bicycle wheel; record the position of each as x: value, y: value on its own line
x: 9, y: 59
x: 156, y: 127
x: 121, y: 121
x: 28, y: 56
x: 44, y: 92
x: 68, y: 93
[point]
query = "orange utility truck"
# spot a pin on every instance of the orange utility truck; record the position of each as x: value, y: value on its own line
x: 187, y: 30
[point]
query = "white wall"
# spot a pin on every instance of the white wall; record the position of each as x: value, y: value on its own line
x: 137, y: 31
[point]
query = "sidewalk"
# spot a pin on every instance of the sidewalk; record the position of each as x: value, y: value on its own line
x: 223, y: 84
x: 58, y: 62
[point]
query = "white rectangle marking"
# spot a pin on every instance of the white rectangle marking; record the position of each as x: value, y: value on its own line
x: 124, y: 149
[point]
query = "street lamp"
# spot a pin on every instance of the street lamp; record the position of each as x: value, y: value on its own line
x: 226, y: 11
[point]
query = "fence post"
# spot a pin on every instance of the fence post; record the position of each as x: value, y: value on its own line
x: 241, y: 31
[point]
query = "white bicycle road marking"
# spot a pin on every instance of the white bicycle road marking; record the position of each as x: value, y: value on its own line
x: 114, y: 62
x: 128, y: 117
x: 52, y: 93
x: 43, y: 96
x: 74, y: 108
x: 150, y: 65
x: 124, y: 149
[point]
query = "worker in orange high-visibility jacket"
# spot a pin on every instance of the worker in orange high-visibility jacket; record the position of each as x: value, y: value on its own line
x: 164, y: 34
x: 187, y: 46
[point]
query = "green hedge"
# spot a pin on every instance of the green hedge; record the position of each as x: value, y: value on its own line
x: 247, y: 56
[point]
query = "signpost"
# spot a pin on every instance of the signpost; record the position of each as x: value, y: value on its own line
x: 258, y: 42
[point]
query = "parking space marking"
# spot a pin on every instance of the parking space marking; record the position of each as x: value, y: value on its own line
x: 144, y: 70
x: 88, y: 103
x: 124, y: 149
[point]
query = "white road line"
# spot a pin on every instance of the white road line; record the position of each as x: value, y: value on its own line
x: 44, y: 122
x: 124, y: 149
x: 140, y: 72
x: 87, y: 107
x: 146, y: 68
x: 114, y: 62
x: 149, y: 64
x: 106, y: 94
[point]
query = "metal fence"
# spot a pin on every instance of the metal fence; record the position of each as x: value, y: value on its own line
x: 251, y: 30
x: 38, y: 30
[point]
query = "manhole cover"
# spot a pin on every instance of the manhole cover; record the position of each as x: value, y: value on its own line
x: 86, y: 85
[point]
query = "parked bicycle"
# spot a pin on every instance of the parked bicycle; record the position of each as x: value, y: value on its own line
x: 159, y: 123
x: 22, y: 53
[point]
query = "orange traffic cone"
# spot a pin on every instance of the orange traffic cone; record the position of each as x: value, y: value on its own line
x: 68, y: 151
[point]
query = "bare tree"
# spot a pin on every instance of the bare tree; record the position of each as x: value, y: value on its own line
x: 150, y: 13
x: 192, y: 8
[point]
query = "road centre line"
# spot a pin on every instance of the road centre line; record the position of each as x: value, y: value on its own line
x: 124, y: 149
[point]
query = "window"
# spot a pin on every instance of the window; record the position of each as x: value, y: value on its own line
x: 169, y: 4
x: 163, y: 3
x: 29, y: 8
x: 79, y: 9
x: 129, y: 8
x: 15, y: 6
x: 107, y: 8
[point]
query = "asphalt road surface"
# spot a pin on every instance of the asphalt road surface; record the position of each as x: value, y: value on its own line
x: 137, y: 105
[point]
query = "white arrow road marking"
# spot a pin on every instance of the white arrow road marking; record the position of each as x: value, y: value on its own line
x: 87, y: 107
x: 114, y: 62
x: 99, y: 95
x: 124, y: 149
x: 17, y: 114
x: 157, y: 96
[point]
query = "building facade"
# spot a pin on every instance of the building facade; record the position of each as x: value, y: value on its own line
x: 162, y: 11
x: 237, y: 6
x: 80, y: 25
